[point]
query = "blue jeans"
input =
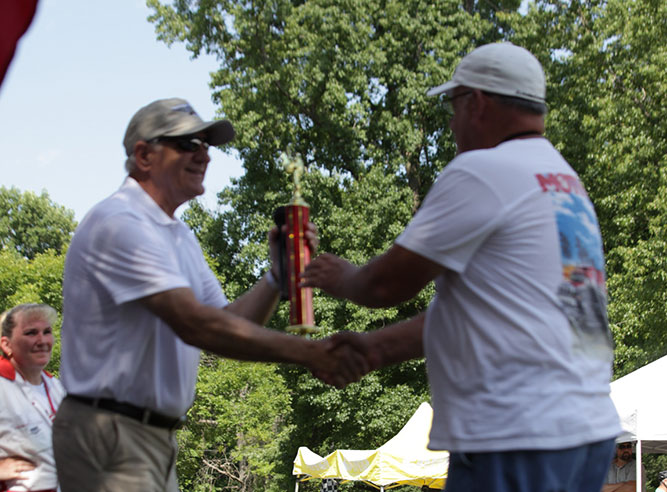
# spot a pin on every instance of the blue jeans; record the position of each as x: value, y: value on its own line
x: 580, y: 469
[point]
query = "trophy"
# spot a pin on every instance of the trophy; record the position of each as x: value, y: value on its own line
x: 294, y: 252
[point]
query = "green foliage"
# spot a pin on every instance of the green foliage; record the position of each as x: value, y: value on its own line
x: 607, y: 83
x: 36, y: 280
x: 235, y: 428
x: 343, y: 84
x: 653, y: 464
x: 34, y: 235
x: 32, y: 224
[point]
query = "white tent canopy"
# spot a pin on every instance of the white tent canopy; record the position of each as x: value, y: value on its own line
x: 641, y: 402
x: 403, y: 460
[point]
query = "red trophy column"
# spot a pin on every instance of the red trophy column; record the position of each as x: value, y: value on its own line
x: 296, y: 253
x: 298, y: 256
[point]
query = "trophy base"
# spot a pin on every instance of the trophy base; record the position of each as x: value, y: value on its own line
x: 302, y: 329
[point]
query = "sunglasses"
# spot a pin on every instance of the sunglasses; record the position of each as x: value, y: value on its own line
x: 186, y: 144
x: 625, y: 446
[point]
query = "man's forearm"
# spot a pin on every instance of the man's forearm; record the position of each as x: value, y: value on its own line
x: 258, y: 304
x: 380, y: 348
x: 372, y: 286
x: 225, y: 333
x: 399, y: 342
x: 629, y: 486
x: 387, y: 280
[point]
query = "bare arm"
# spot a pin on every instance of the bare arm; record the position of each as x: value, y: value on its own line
x: 399, y: 342
x: 386, y: 280
x: 259, y: 303
x: 226, y: 334
x: 629, y: 486
x: 384, y: 347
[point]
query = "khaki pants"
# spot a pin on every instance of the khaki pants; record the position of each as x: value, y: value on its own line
x: 101, y: 451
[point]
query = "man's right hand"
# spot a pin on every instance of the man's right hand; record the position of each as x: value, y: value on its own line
x: 328, y: 272
x: 344, y: 360
x: 355, y: 356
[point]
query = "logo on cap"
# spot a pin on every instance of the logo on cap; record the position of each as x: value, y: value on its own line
x: 185, y: 108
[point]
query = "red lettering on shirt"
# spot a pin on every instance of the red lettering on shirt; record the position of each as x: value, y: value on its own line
x: 562, y: 183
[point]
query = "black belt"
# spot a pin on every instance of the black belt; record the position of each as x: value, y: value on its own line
x: 143, y: 415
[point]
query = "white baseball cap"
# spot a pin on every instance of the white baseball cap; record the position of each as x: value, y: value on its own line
x: 500, y: 68
x: 173, y: 117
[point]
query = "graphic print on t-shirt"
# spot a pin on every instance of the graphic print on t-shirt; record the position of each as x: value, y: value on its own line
x: 582, y: 293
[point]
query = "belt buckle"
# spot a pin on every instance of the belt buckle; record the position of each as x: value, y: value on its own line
x: 145, y: 416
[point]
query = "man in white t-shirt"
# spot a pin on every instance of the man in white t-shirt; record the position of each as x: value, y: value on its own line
x: 140, y: 302
x: 516, y: 339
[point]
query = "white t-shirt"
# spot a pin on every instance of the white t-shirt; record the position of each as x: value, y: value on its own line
x: 127, y: 248
x: 517, y: 343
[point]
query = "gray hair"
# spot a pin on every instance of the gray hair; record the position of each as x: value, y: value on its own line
x: 30, y: 311
x: 131, y: 162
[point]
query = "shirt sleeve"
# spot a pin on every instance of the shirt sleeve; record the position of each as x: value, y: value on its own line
x: 458, y: 213
x: 132, y: 259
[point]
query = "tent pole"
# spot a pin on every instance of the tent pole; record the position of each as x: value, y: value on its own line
x: 639, y: 473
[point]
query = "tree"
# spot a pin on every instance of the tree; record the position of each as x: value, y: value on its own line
x: 32, y: 224
x: 343, y: 84
x: 235, y: 428
x: 34, y: 235
x: 36, y: 280
x: 606, y: 67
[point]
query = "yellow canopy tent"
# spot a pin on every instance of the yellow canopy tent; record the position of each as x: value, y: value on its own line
x: 403, y: 460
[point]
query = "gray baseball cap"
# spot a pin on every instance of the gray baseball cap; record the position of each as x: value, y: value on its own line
x: 173, y: 118
x: 500, y: 68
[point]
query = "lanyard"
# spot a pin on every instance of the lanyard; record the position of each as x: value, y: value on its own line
x: 48, y: 397
x: 34, y: 399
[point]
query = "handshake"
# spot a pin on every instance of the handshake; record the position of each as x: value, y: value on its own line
x: 346, y: 356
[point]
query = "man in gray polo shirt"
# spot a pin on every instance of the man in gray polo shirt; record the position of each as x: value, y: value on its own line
x: 622, y: 474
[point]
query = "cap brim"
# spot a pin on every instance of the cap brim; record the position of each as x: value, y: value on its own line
x: 446, y: 87
x: 220, y: 133
x: 217, y: 132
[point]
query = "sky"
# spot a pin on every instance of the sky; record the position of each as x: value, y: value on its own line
x: 78, y: 75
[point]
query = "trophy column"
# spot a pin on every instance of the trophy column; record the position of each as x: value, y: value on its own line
x: 298, y: 256
x: 295, y: 253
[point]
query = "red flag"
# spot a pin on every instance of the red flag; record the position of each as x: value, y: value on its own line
x: 15, y: 18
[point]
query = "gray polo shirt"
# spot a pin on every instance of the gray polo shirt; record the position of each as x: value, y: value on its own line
x: 624, y: 473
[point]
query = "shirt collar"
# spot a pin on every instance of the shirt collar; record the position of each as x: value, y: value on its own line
x: 7, y: 370
x: 143, y: 200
